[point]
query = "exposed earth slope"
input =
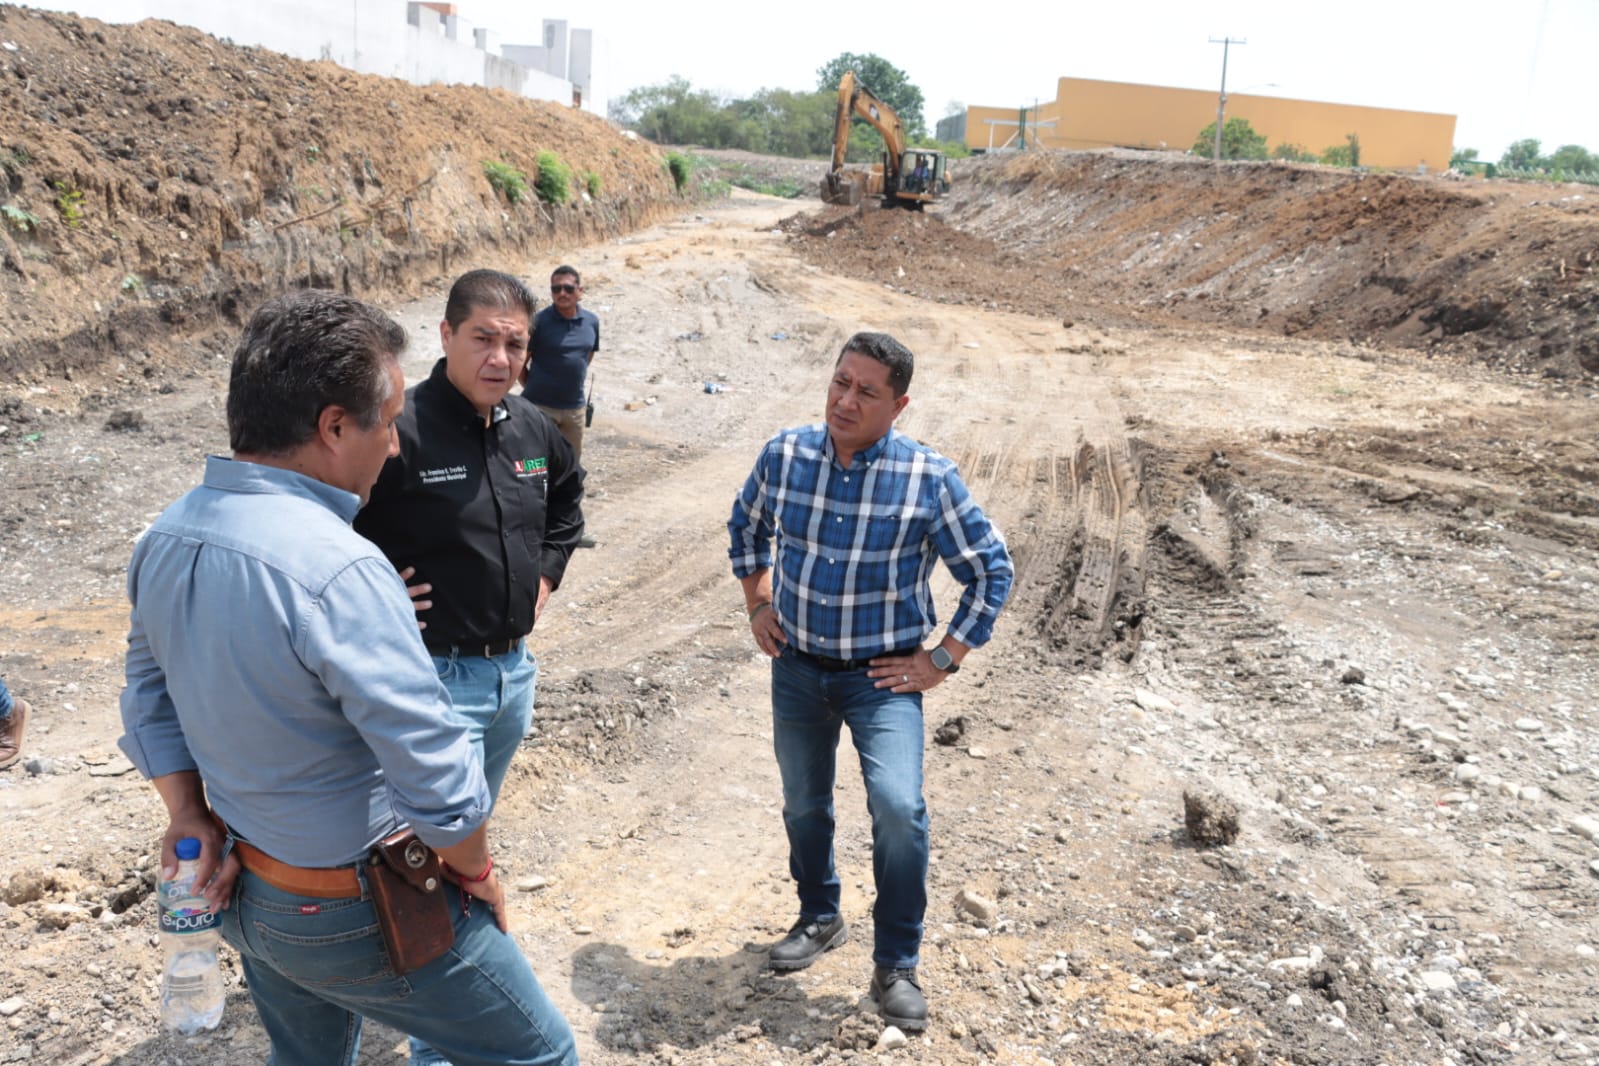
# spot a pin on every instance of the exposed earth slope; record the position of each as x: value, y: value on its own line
x: 159, y: 181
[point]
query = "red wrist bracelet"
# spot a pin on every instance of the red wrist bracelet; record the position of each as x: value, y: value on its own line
x: 480, y: 878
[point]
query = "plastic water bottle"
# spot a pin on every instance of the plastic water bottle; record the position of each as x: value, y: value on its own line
x: 191, y: 981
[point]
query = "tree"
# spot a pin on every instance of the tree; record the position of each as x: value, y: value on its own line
x: 1238, y: 141
x: 1522, y: 155
x: 1571, y: 159
x: 1338, y: 155
x: 1293, y: 153
x: 1463, y: 156
x: 675, y: 113
x: 887, y: 82
x: 790, y: 123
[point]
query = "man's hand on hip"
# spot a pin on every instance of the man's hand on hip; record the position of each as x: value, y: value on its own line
x: 914, y: 672
x: 769, y: 635
x: 416, y: 592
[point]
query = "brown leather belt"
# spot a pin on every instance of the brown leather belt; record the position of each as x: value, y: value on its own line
x: 339, y: 882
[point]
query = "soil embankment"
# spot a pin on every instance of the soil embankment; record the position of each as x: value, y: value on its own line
x: 1507, y: 274
x: 159, y: 182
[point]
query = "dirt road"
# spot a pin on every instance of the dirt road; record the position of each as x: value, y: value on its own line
x: 1346, y: 589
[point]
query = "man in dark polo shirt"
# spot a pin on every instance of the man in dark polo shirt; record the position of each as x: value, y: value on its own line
x: 565, y: 337
x: 480, y: 512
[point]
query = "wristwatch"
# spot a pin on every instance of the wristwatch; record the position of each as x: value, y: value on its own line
x: 944, y: 660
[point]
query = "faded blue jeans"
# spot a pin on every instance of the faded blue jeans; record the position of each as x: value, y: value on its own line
x: 495, y: 697
x: 317, y: 966
x: 809, y: 707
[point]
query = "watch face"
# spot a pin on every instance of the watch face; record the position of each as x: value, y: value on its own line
x: 941, y: 658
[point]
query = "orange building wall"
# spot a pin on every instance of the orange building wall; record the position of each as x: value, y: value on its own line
x: 1100, y: 114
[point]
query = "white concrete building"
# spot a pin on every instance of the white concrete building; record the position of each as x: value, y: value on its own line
x: 422, y: 43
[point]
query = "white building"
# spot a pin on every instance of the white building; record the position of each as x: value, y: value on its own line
x: 422, y: 43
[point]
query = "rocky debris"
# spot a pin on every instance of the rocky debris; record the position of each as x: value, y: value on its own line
x: 858, y: 1032
x: 1211, y: 819
x: 951, y: 732
x: 1153, y: 702
x: 892, y: 1039
x: 981, y: 909
x: 26, y: 886
x: 125, y: 420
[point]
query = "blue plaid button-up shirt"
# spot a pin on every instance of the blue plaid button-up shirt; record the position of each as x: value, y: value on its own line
x: 856, y: 546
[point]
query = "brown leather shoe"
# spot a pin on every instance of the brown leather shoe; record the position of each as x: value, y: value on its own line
x: 11, y: 731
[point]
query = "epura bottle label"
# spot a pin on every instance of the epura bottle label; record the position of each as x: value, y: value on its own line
x: 192, y: 915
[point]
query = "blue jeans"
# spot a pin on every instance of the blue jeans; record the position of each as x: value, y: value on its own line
x: 495, y: 697
x: 317, y: 966
x: 5, y: 700
x: 809, y: 706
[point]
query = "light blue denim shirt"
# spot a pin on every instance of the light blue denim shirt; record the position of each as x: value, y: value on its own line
x: 276, y: 651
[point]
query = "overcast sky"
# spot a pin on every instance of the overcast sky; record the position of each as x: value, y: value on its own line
x: 1508, y: 69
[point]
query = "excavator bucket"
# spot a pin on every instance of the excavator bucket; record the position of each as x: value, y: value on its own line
x: 844, y: 187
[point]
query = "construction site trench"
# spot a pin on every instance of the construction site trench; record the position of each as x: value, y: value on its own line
x: 1298, y: 466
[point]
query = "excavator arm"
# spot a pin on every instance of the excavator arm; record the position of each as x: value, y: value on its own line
x: 845, y: 187
x: 856, y: 99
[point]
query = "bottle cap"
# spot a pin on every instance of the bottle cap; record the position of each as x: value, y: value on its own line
x: 188, y: 848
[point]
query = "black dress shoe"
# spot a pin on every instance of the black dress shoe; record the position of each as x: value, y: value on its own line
x: 806, y: 941
x: 899, y: 998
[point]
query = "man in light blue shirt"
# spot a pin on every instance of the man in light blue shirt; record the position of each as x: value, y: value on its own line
x: 277, y: 681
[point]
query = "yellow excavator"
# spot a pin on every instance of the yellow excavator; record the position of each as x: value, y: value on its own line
x: 907, y: 177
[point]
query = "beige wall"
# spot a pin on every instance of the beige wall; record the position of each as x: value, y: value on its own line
x: 1099, y: 114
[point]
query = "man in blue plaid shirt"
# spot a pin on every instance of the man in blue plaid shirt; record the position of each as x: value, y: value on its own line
x: 860, y: 512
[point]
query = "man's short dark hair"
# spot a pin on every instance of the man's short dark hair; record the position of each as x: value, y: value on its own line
x: 888, y: 351
x: 487, y: 288
x: 577, y: 279
x: 299, y: 354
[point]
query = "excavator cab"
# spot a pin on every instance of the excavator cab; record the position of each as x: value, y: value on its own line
x: 923, y: 176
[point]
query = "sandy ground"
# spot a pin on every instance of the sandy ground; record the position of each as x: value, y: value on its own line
x: 1348, y: 591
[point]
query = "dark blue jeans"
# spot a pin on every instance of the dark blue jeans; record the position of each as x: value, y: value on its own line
x: 5, y: 700
x: 809, y: 707
x: 317, y: 966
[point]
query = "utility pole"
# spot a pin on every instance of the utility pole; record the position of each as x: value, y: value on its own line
x: 1221, y: 101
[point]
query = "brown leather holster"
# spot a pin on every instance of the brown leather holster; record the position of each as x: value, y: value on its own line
x: 406, y: 879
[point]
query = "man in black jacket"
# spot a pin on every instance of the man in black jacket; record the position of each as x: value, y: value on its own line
x: 480, y: 512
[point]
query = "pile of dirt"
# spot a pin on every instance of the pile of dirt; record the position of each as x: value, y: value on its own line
x: 159, y: 181
x: 1499, y: 271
